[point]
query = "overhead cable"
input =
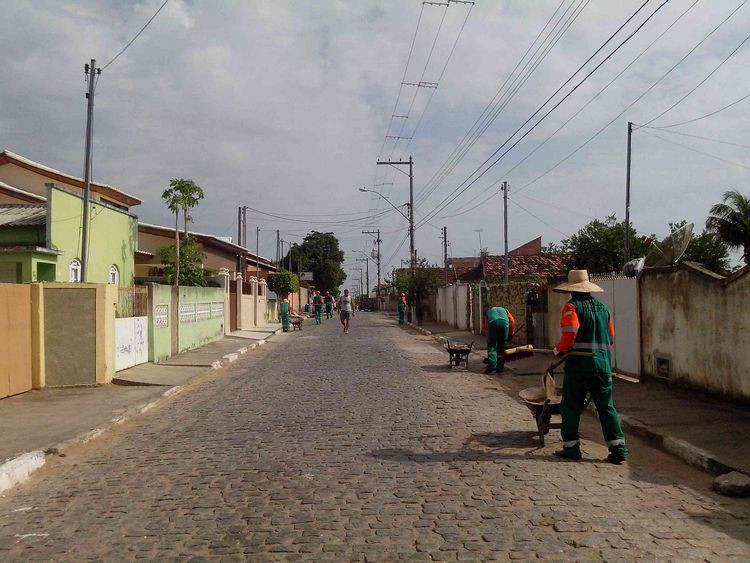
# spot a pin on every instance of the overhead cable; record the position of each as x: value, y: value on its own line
x: 125, y: 48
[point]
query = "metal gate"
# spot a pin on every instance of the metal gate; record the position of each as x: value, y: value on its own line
x: 15, y: 339
x: 131, y: 327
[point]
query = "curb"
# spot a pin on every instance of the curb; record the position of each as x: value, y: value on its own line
x: 685, y: 451
x: 16, y: 470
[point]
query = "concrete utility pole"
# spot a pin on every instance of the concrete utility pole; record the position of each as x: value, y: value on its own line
x: 377, y: 241
x: 505, y: 226
x: 257, y: 252
x: 367, y: 272
x: 278, y: 256
x: 627, y: 196
x: 239, y: 225
x: 445, y: 253
x: 91, y: 72
x: 412, y: 252
x: 244, y: 226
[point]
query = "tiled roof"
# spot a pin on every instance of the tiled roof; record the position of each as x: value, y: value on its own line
x: 466, y: 268
x: 15, y: 215
x: 543, y: 265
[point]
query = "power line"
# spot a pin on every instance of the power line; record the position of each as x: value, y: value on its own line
x: 125, y: 48
x: 695, y: 136
x: 686, y: 147
x: 734, y: 103
x: 709, y: 75
x: 342, y: 222
x: 495, y: 107
x: 447, y: 201
x: 631, y: 104
x: 539, y: 218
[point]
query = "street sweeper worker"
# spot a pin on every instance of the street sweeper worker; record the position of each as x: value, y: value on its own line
x: 284, y: 308
x: 501, y: 326
x: 318, y: 302
x: 329, y: 305
x: 401, y: 308
x: 587, y: 327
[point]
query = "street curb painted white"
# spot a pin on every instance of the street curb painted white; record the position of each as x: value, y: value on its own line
x: 18, y: 469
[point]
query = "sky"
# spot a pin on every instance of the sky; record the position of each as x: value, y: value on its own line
x: 284, y: 107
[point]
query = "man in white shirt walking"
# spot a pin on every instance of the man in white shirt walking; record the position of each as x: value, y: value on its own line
x: 346, y: 309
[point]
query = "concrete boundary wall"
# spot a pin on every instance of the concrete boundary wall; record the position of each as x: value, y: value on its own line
x: 694, y: 328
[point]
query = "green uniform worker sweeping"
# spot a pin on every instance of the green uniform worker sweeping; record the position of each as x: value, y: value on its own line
x: 285, y: 314
x: 587, y: 327
x: 318, y: 301
x: 401, y: 308
x: 501, y: 326
x: 329, y: 305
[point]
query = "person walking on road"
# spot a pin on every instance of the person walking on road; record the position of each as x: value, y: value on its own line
x: 329, y: 305
x: 318, y: 302
x: 501, y: 326
x: 587, y: 327
x: 401, y: 308
x: 346, y: 310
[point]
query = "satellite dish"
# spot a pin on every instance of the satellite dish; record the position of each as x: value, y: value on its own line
x: 665, y: 253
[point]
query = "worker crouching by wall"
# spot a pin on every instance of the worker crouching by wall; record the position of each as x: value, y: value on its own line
x: 501, y: 326
x: 587, y: 327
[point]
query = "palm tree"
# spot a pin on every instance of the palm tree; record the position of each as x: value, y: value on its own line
x: 730, y: 220
x: 182, y: 195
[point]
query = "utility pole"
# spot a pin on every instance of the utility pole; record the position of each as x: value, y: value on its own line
x: 505, y: 226
x: 627, y: 196
x: 445, y: 253
x: 257, y: 252
x: 91, y: 72
x: 239, y: 225
x: 412, y: 253
x: 377, y: 241
x: 278, y: 256
x: 244, y: 226
x: 367, y: 272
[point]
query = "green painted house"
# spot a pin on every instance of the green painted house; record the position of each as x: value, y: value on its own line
x: 40, y: 233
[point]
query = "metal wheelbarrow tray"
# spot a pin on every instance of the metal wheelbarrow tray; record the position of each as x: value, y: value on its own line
x: 458, y: 353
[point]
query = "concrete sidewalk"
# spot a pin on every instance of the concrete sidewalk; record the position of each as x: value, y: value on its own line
x: 701, y: 430
x: 46, y: 422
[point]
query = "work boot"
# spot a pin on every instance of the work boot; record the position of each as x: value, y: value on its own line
x: 488, y: 370
x: 573, y: 454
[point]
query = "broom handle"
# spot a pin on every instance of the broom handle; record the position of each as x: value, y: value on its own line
x: 575, y: 354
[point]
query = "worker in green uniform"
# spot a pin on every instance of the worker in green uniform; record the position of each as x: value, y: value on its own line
x: 586, y: 326
x: 285, y: 314
x: 501, y: 326
x: 318, y: 301
x: 401, y: 308
x: 329, y: 305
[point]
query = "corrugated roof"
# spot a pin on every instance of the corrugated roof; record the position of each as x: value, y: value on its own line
x: 14, y: 215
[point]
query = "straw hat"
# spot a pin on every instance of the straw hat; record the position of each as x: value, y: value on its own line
x: 578, y: 282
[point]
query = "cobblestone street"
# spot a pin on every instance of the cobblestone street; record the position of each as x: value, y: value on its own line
x: 324, y: 446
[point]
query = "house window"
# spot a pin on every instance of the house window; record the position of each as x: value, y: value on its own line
x: 114, y: 275
x: 75, y: 270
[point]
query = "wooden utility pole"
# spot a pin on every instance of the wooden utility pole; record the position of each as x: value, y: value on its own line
x: 627, y: 196
x: 91, y: 73
x: 505, y: 226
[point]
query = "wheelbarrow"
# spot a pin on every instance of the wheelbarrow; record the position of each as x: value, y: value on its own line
x: 296, y: 321
x: 458, y: 353
x: 544, y: 401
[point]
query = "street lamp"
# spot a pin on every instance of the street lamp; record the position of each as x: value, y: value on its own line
x: 363, y: 190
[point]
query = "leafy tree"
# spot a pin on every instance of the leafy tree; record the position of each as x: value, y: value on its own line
x: 599, y: 246
x: 730, y: 220
x: 707, y: 249
x: 320, y: 254
x: 283, y: 283
x: 182, y: 265
x: 182, y: 195
x: 419, y: 286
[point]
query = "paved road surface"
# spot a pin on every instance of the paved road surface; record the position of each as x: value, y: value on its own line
x: 331, y: 448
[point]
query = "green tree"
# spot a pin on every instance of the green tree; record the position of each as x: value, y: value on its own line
x: 282, y: 283
x: 730, y: 220
x: 320, y: 254
x: 419, y: 286
x: 599, y: 246
x: 182, y: 195
x: 707, y: 249
x: 182, y: 265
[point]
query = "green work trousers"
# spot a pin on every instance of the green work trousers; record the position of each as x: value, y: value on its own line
x: 497, y: 336
x: 285, y: 317
x: 329, y: 310
x: 318, y: 310
x: 401, y: 310
x: 599, y: 385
